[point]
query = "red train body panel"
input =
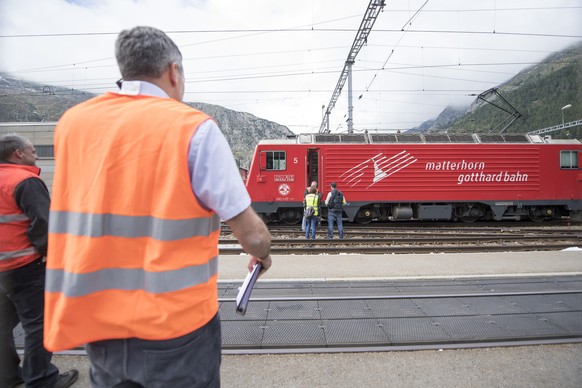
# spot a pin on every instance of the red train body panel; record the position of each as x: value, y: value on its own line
x: 534, y: 177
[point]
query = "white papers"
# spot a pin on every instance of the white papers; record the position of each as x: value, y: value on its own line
x: 244, y: 293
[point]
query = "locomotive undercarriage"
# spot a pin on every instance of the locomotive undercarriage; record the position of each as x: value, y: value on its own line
x: 465, y: 212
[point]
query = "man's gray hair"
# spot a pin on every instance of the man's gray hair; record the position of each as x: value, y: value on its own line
x: 11, y: 142
x: 145, y: 51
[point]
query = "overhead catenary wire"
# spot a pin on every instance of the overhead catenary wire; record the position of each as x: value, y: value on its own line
x: 350, y: 30
x: 405, y: 29
x: 107, y: 84
x: 82, y: 70
x: 465, y: 10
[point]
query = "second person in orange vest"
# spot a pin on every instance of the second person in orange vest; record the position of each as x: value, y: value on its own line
x: 24, y: 211
x: 141, y: 184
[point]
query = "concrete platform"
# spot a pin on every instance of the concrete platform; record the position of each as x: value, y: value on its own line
x: 528, y: 366
x: 518, y: 367
x: 405, y: 266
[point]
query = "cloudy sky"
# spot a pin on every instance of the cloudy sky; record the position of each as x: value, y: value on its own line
x: 281, y: 59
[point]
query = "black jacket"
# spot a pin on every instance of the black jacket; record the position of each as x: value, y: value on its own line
x: 32, y: 196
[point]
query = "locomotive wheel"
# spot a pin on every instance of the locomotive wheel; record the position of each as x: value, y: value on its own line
x: 264, y: 217
x: 469, y: 219
x: 364, y: 216
x: 291, y: 221
x: 537, y: 216
x: 471, y: 215
x: 363, y: 220
x: 291, y: 216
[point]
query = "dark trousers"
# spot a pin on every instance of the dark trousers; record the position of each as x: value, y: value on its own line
x: 311, y: 226
x: 192, y: 360
x: 337, y: 217
x: 22, y: 300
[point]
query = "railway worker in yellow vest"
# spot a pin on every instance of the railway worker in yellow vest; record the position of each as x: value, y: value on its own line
x: 24, y: 211
x: 311, y: 201
x: 141, y: 183
x: 314, y: 185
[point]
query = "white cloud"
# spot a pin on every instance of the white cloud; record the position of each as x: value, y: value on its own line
x: 263, y: 57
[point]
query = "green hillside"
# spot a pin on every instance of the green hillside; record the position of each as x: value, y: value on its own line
x: 538, y: 93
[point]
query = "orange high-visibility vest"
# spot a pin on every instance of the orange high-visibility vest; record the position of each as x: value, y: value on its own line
x: 16, y: 250
x: 131, y: 251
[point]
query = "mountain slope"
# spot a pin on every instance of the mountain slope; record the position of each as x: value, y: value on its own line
x: 28, y: 101
x: 538, y: 93
x: 243, y: 130
x: 22, y: 101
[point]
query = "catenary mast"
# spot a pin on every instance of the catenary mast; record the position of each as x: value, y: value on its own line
x: 370, y: 16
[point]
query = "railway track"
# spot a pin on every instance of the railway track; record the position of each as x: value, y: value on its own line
x: 442, y: 224
x: 384, y: 241
x: 300, y: 317
x: 408, y: 227
x: 364, y: 316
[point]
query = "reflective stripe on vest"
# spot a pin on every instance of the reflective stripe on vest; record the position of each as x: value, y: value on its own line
x: 16, y: 249
x: 7, y: 218
x: 129, y: 279
x: 15, y: 254
x: 99, y: 225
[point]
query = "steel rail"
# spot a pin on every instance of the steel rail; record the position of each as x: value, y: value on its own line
x: 407, y: 296
x: 379, y: 348
x: 444, y: 224
x: 400, y: 348
x: 511, y: 340
x: 407, y: 249
x: 424, y: 230
x: 416, y: 239
x: 391, y: 344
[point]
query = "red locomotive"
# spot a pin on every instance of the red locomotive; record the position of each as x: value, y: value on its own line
x: 421, y: 177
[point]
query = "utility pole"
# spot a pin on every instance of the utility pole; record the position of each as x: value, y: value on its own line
x: 563, y: 108
x: 350, y: 104
x: 370, y: 16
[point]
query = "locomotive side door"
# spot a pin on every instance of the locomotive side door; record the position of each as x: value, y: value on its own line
x: 313, y: 167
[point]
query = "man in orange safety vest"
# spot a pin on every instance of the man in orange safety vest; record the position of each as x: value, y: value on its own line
x: 24, y: 210
x: 141, y: 184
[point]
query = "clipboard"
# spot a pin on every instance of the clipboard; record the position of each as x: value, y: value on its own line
x: 244, y: 293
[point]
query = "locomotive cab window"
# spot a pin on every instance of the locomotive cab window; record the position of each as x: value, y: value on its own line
x: 276, y: 160
x: 569, y: 159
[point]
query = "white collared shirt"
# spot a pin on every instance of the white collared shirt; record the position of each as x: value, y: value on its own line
x: 215, y: 178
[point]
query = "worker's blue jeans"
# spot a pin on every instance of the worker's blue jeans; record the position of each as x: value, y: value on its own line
x: 22, y: 300
x: 331, y: 218
x: 311, y: 227
x: 192, y: 360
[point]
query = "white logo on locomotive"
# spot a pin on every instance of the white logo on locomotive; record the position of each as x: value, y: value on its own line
x: 383, y: 167
x: 284, y: 189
